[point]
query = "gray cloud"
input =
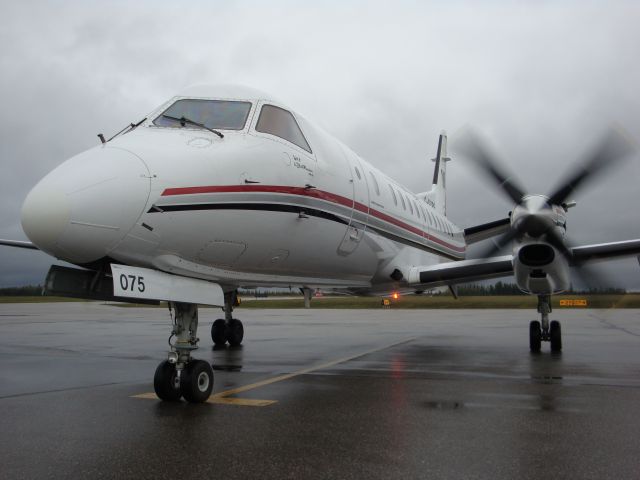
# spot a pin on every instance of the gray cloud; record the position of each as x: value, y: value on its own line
x: 540, y: 80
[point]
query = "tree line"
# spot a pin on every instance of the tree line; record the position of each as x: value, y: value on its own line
x: 504, y: 288
x: 26, y: 291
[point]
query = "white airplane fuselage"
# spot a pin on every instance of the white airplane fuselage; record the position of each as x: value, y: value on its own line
x: 221, y: 188
x: 249, y: 209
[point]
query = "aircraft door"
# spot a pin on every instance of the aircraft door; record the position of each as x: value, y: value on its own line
x: 360, y: 211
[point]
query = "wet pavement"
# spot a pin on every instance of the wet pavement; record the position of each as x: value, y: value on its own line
x: 321, y: 394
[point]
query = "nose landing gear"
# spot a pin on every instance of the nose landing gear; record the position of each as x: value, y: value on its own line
x: 180, y: 375
x: 545, y: 331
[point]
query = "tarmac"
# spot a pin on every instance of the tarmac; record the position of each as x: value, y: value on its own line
x: 345, y: 394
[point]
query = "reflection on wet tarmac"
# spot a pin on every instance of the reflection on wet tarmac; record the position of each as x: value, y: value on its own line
x: 352, y: 394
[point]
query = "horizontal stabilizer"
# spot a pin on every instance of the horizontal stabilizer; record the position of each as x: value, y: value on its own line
x: 486, y: 230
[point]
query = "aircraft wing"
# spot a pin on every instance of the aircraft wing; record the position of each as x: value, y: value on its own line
x: 451, y: 273
x: 606, y: 251
x: 486, y: 230
x: 18, y: 244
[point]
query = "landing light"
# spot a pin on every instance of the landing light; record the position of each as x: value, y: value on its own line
x: 395, y: 295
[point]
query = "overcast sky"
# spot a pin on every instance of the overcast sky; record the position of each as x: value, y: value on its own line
x: 541, y: 81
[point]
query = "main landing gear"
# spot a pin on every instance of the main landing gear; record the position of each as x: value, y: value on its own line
x: 180, y: 375
x: 545, y: 331
x: 228, y: 329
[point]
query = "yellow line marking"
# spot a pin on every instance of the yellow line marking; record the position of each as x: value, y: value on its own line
x: 287, y: 376
x: 222, y: 397
x: 245, y: 402
x: 148, y: 396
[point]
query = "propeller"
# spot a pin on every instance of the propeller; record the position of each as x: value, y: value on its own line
x: 533, y: 215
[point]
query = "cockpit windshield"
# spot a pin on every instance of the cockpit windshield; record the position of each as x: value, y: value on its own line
x: 215, y: 114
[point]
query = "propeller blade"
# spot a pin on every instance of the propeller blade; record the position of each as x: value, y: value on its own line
x: 556, y: 240
x: 588, y: 276
x: 470, y: 145
x: 498, y: 244
x: 613, y: 148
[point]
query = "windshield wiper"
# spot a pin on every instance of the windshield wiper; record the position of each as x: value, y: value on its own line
x: 128, y: 128
x: 183, y: 120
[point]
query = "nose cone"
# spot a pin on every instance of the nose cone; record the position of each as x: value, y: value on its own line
x: 45, y: 214
x: 82, y: 210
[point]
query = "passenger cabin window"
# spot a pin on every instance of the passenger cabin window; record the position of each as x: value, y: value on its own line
x: 280, y: 122
x: 375, y: 183
x: 216, y: 114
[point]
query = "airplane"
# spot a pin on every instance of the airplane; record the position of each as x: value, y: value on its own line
x: 223, y: 187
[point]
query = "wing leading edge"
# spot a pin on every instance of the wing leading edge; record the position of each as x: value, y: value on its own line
x: 451, y: 273
x: 18, y: 244
x: 605, y: 251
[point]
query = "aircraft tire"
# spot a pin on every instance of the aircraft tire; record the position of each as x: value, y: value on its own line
x: 535, y: 336
x: 235, y: 332
x: 219, y: 332
x: 197, y: 381
x: 555, y: 336
x: 165, y: 382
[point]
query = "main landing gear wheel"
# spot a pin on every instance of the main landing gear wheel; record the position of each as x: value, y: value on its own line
x: 230, y: 329
x: 166, y: 382
x: 235, y: 332
x: 219, y: 332
x: 535, y: 336
x: 196, y: 381
x: 223, y: 332
x: 555, y: 336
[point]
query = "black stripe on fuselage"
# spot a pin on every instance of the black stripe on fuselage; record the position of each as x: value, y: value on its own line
x: 265, y: 207
x: 277, y: 207
x: 411, y: 243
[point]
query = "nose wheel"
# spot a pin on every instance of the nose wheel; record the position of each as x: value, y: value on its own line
x: 545, y: 331
x: 166, y: 382
x: 181, y: 376
x: 194, y: 382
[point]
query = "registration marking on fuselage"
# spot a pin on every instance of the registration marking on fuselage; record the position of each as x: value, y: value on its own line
x: 226, y: 397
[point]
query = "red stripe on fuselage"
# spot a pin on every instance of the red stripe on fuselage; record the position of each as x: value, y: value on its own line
x: 308, y: 192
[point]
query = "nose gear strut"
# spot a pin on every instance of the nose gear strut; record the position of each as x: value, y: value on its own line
x: 181, y: 375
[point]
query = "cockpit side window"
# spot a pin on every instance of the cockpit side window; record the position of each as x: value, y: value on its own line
x: 280, y: 122
x: 216, y: 114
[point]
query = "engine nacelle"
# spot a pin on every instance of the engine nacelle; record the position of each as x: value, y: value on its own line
x: 540, y: 269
